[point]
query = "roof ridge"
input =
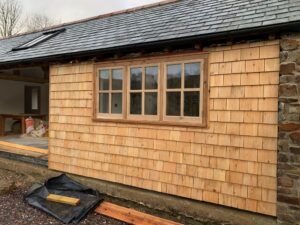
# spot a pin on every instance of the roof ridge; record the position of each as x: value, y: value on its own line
x: 124, y: 11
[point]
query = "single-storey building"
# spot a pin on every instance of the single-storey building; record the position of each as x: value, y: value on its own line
x: 189, y: 98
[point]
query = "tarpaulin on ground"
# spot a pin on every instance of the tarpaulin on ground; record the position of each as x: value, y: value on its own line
x: 63, y: 185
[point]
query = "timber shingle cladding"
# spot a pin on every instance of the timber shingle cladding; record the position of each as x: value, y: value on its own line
x: 232, y: 162
x: 176, y: 20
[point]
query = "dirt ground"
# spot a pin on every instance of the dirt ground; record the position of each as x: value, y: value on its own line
x: 14, y: 210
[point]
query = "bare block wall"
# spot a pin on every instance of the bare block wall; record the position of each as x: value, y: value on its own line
x: 232, y: 162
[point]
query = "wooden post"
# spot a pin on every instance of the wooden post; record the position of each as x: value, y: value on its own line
x: 2, y: 126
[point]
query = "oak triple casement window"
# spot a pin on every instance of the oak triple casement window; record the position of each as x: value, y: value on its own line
x: 165, y: 91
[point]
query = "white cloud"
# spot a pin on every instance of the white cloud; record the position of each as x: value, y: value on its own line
x: 69, y: 10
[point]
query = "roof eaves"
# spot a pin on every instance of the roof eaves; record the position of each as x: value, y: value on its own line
x: 245, y: 32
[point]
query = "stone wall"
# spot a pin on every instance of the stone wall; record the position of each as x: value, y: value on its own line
x: 288, y: 206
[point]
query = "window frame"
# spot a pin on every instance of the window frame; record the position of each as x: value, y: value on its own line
x: 143, y: 90
x: 161, y: 61
x: 110, y: 92
x: 182, y: 90
x: 39, y: 39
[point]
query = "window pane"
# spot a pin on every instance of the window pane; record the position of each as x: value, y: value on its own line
x: 174, y: 76
x: 104, y: 80
x: 136, y: 78
x: 151, y: 77
x: 150, y: 103
x: 117, y: 79
x: 173, y: 103
x: 192, y: 75
x: 103, y: 102
x: 191, y: 103
x: 116, y: 103
x: 136, y: 103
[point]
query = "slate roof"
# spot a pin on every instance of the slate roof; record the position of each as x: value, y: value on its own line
x: 184, y: 18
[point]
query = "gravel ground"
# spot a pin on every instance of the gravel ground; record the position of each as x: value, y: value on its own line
x: 14, y: 211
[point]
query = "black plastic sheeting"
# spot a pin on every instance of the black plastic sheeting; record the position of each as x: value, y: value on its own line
x: 63, y: 185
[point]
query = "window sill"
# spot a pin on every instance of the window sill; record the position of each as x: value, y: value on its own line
x: 158, y: 123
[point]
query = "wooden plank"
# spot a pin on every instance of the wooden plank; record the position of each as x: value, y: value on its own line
x: 119, y: 213
x: 23, y: 147
x: 63, y: 199
x: 131, y: 216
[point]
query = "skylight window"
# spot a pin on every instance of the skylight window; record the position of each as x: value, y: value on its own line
x: 45, y: 36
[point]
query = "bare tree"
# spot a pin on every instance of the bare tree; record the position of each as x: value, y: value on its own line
x: 10, y: 14
x: 38, y: 22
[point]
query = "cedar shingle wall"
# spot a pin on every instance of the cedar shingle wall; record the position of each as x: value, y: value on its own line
x: 232, y: 163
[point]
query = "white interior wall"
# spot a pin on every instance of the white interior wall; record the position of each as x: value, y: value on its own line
x: 12, y: 98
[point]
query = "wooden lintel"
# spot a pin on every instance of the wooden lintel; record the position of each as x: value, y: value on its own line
x: 23, y: 78
x: 23, y: 65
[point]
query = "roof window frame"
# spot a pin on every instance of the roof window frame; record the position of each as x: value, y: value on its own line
x: 38, y: 40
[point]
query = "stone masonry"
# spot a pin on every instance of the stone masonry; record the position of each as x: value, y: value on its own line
x: 288, y: 194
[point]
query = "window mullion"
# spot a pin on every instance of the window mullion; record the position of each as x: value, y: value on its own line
x: 182, y: 92
x: 125, y: 90
x: 201, y: 91
x: 109, y: 91
x: 143, y: 90
x: 200, y: 103
x: 98, y: 93
x: 161, y: 88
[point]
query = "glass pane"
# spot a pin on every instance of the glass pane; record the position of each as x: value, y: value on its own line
x: 191, y: 103
x: 150, y: 103
x: 116, y: 103
x: 174, y: 76
x: 117, y: 79
x: 136, y: 78
x: 151, y: 77
x: 103, y: 102
x: 35, y: 99
x: 104, y: 80
x: 136, y: 103
x: 173, y: 103
x: 192, y: 75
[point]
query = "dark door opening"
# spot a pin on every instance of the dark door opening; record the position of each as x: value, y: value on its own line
x: 32, y: 100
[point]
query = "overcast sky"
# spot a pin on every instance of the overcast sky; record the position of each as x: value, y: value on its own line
x: 70, y: 10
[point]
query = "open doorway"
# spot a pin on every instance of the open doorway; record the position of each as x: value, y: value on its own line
x: 24, y: 109
x: 32, y: 101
